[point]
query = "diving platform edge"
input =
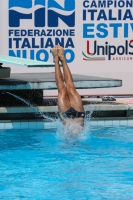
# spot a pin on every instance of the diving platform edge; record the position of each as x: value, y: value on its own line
x: 46, y: 81
x: 24, y: 62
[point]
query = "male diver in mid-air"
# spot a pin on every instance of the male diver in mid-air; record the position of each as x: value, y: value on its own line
x: 69, y: 101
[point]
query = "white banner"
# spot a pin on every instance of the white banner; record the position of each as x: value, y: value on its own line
x: 97, y: 36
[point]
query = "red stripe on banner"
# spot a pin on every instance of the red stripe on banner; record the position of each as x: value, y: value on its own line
x: 93, y: 59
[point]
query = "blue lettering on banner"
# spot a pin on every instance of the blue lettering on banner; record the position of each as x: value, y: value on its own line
x: 33, y: 55
x: 41, y: 33
x: 91, y: 13
x: 108, y: 4
x: 101, y: 30
x: 41, y: 43
x: 107, y: 15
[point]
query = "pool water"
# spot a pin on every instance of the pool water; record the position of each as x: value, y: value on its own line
x: 39, y: 164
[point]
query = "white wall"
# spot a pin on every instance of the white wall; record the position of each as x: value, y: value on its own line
x: 1, y: 27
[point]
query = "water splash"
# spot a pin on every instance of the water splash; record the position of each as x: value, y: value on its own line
x: 88, y: 115
x: 73, y: 133
x: 32, y: 106
x: 70, y: 133
x: 21, y: 99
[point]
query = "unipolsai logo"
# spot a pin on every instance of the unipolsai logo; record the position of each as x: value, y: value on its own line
x: 112, y: 52
x: 42, y: 12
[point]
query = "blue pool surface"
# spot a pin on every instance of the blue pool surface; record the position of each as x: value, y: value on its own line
x: 39, y: 164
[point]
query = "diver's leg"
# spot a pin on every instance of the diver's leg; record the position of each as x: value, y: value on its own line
x: 58, y: 75
x: 63, y: 98
x: 67, y: 74
x: 74, y: 97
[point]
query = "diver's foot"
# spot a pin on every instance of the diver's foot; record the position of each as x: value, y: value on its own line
x: 55, y: 53
x: 61, y: 53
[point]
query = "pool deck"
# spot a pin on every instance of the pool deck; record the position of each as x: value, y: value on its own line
x: 20, y: 116
x: 94, y: 105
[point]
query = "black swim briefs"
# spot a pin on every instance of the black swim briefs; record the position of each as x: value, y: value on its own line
x: 72, y: 113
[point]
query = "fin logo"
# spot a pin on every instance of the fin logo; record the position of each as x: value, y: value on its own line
x: 36, y: 10
x: 66, y: 12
